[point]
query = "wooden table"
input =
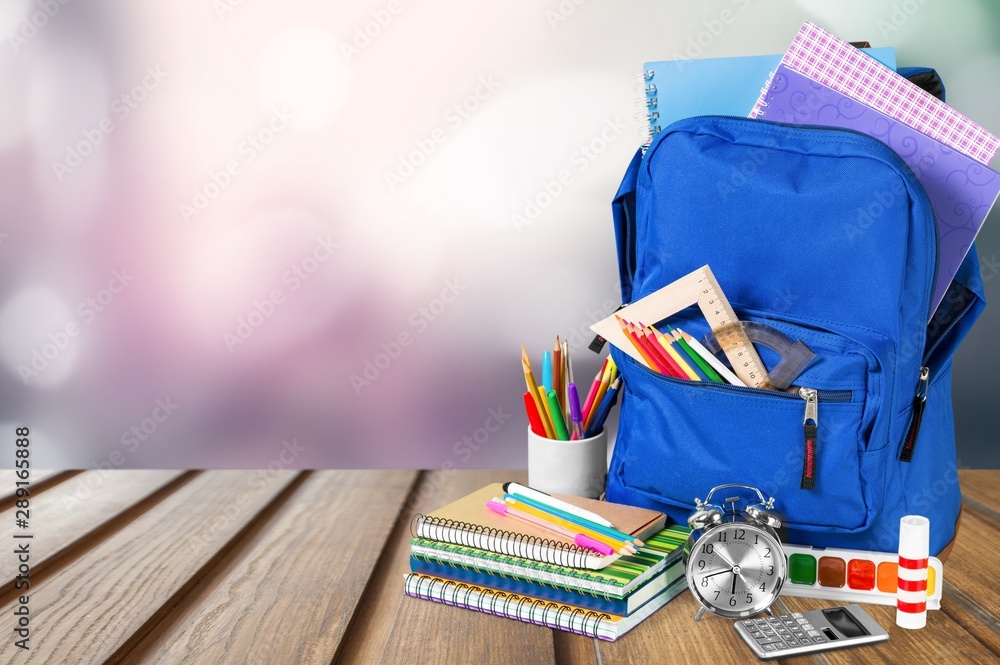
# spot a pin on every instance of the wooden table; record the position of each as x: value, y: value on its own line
x: 307, y: 567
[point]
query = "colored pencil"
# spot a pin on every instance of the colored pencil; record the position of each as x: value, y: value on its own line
x: 601, y: 389
x: 603, y: 410
x: 572, y: 516
x: 675, y: 369
x: 669, y: 348
x: 575, y: 537
x: 557, y: 417
x: 710, y: 358
x: 639, y: 346
x: 666, y: 361
x: 529, y: 379
x: 652, y: 347
x: 546, y: 416
x: 557, y: 373
x: 705, y: 368
x: 617, y: 544
x: 534, y: 419
x: 592, y: 393
x: 567, y: 377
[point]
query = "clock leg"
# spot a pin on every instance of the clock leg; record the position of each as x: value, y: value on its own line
x: 701, y: 612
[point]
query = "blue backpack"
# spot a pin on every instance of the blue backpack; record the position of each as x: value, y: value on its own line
x: 825, y: 235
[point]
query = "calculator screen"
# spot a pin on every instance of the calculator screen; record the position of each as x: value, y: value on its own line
x: 845, y: 624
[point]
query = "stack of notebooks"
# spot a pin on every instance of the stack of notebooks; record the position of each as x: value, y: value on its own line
x: 467, y: 555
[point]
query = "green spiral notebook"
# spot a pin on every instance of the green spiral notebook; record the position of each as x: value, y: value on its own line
x: 616, y: 580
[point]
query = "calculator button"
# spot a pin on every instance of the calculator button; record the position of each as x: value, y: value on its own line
x: 780, y: 645
x: 802, y: 620
x: 807, y: 626
x: 814, y: 633
x: 805, y: 640
x: 797, y: 615
x: 748, y: 622
x: 770, y: 640
x: 768, y: 647
x: 759, y: 621
x: 792, y: 643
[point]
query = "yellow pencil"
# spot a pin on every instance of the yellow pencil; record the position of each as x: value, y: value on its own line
x: 668, y: 347
x: 529, y: 379
x: 567, y: 376
x: 546, y: 415
x: 617, y: 544
x: 601, y: 389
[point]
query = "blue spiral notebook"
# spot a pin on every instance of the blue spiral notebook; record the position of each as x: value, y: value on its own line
x: 677, y: 89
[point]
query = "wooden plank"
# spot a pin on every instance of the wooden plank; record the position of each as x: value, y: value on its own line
x: 87, y: 503
x: 573, y: 649
x: 983, y: 487
x: 292, y: 594
x: 971, y: 594
x: 40, y: 481
x: 93, y: 606
x: 428, y: 632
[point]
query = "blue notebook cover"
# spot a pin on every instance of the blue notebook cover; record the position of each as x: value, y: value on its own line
x: 598, y: 603
x: 677, y: 89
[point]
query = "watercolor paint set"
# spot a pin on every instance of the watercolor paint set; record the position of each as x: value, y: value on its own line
x: 854, y: 576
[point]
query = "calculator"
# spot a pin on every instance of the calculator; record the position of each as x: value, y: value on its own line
x: 787, y: 635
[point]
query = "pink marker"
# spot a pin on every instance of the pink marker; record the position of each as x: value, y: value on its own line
x: 580, y: 539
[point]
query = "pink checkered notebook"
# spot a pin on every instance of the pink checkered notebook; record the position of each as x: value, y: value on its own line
x: 836, y: 64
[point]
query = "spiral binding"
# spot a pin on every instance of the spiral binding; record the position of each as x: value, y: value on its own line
x: 759, y: 109
x: 483, y: 570
x: 646, y: 96
x: 509, y: 605
x: 502, y: 542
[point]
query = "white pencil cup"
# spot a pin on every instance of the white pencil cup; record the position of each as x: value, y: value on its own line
x: 578, y: 468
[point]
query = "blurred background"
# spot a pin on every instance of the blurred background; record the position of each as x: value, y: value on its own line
x: 244, y: 233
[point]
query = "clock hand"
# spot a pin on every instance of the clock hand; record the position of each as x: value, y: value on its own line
x: 735, y: 575
x: 721, y: 572
x: 725, y: 560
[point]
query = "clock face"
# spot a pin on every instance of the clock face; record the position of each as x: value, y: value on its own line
x: 736, y: 569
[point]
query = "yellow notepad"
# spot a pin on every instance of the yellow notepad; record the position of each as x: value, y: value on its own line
x: 470, y: 523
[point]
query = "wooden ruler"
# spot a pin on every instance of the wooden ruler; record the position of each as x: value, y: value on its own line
x: 701, y: 288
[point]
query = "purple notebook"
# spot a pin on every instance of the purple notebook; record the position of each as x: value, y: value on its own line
x: 961, y: 189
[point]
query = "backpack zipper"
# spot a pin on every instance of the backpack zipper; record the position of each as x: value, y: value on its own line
x: 810, y: 428
x: 919, y: 403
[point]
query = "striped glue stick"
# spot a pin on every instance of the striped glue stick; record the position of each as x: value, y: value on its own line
x: 911, y: 589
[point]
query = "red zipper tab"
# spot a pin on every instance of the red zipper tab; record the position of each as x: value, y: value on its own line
x: 919, y: 402
x: 810, y: 427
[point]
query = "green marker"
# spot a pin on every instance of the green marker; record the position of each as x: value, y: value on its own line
x: 557, y: 417
x: 696, y: 357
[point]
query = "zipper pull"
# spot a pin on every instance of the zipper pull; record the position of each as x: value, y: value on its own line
x: 810, y: 427
x: 919, y: 402
x: 597, y: 344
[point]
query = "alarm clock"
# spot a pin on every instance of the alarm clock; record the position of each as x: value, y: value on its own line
x: 734, y: 562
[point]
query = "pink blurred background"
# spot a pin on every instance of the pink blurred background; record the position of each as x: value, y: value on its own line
x: 250, y: 233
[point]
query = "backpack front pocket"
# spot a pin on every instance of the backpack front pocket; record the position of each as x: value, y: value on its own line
x: 678, y: 439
